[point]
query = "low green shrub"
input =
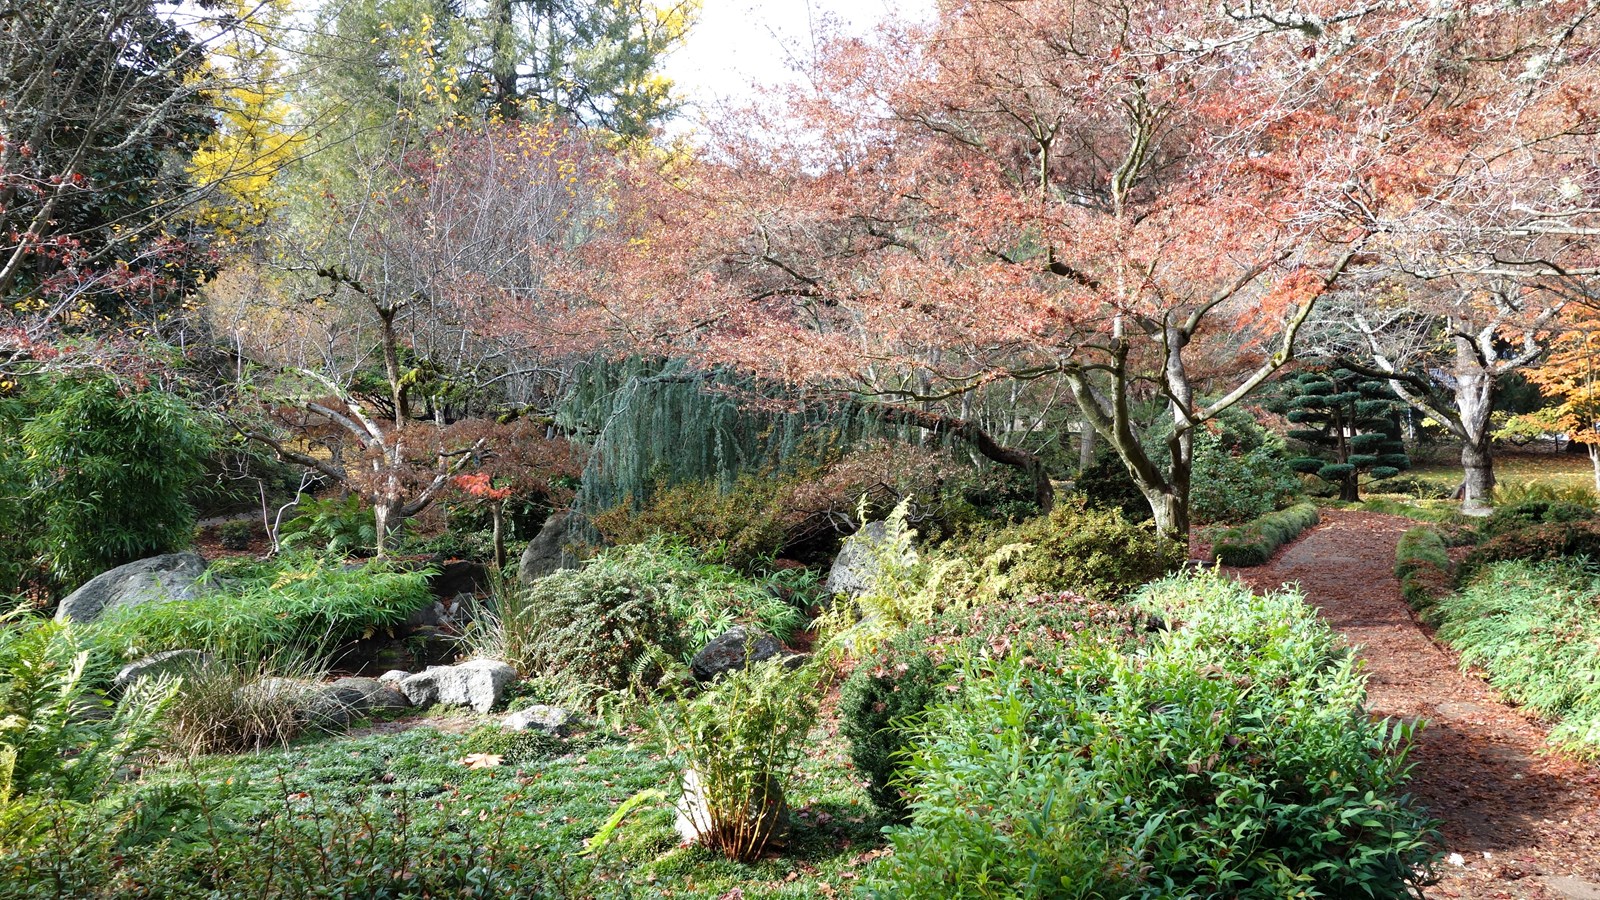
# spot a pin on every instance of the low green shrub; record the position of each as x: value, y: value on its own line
x: 881, y: 703
x: 596, y: 625
x: 1556, y: 540
x: 236, y: 535
x: 1173, y: 771
x: 1422, y: 564
x: 1513, y: 493
x: 1534, y: 628
x: 1239, y: 485
x: 1253, y: 543
x: 336, y: 526
x: 1533, y: 512
x: 1411, y: 486
x: 1081, y: 548
x: 293, y: 609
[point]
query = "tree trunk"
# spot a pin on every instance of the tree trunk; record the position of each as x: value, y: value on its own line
x: 380, y: 522
x: 499, y: 536
x: 1086, y: 436
x: 1171, y: 514
x: 1350, y: 488
x: 1594, y: 461
x: 1474, y: 402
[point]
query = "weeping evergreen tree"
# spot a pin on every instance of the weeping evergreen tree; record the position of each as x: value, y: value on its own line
x: 658, y: 422
x: 1350, y: 423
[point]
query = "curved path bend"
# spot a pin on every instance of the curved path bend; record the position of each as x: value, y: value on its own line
x: 1519, y: 821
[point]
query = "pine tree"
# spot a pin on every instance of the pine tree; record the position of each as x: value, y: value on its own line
x: 1350, y: 423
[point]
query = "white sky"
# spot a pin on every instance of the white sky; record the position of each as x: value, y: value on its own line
x: 739, y: 44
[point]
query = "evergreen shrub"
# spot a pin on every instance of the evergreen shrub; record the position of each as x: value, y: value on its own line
x: 1082, y: 548
x: 1534, y: 512
x: 1555, y: 540
x: 880, y: 704
x: 1253, y: 543
x: 1095, y: 772
x: 294, y: 609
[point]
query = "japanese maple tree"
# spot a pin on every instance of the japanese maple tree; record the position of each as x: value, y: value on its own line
x: 1138, y: 201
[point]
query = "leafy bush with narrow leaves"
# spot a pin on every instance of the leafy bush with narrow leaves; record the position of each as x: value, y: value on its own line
x: 1253, y: 543
x: 881, y: 703
x: 1231, y: 756
x: 293, y: 609
x: 111, y: 468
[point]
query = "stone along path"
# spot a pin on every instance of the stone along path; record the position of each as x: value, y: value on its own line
x: 1518, y: 821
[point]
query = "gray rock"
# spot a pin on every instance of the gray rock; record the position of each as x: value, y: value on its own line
x: 479, y: 684
x: 1572, y: 887
x: 734, y: 649
x: 170, y: 662
x: 157, y: 579
x: 767, y: 816
x: 393, y: 677
x: 549, y: 719
x: 547, y: 552
x: 860, y: 560
x: 366, y: 695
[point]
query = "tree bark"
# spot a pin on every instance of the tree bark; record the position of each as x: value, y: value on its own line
x: 1474, y: 397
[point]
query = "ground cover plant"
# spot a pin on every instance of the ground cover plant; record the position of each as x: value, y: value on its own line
x: 1167, y: 771
x: 1533, y: 627
x: 1423, y: 566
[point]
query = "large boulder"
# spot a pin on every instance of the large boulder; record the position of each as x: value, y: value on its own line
x: 170, y: 662
x: 339, y: 702
x: 171, y: 576
x: 547, y: 552
x: 861, y: 560
x: 479, y: 684
x: 734, y: 649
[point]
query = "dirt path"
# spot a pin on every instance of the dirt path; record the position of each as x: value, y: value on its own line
x: 1526, y: 824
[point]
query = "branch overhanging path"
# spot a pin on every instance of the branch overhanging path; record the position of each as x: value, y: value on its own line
x: 1525, y: 822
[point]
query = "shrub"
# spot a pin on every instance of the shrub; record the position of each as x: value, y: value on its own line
x: 1537, y: 542
x: 110, y: 469
x: 738, y: 743
x: 1253, y: 543
x: 1234, y: 486
x: 296, y: 608
x: 880, y: 704
x: 1081, y: 548
x: 1167, y: 772
x: 1107, y: 485
x: 1511, y: 493
x: 1534, y: 512
x: 1411, y: 486
x: 339, y: 527
x: 236, y: 535
x: 1534, y: 627
x: 1422, y: 564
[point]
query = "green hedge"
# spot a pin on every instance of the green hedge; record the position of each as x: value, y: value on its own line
x: 1422, y: 564
x: 1253, y: 543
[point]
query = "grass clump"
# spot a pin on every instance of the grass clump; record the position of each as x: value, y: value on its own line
x: 1534, y: 628
x: 1231, y: 756
x: 1253, y: 543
